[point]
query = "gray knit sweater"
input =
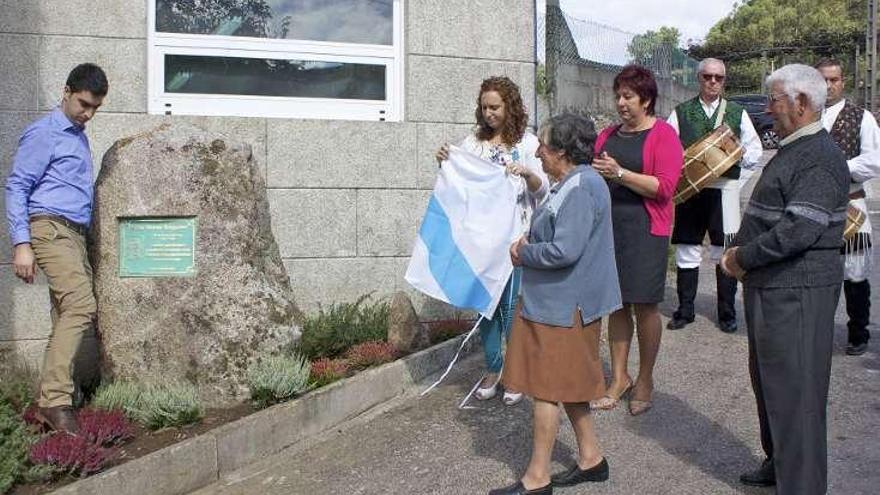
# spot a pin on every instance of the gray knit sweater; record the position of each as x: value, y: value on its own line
x: 792, y: 228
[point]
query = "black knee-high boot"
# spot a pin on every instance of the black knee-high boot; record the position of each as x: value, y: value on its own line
x: 858, y: 308
x: 686, y: 283
x: 726, y: 288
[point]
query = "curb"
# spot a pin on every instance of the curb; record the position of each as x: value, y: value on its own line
x: 189, y: 465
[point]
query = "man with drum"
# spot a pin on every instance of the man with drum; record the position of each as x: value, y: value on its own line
x: 715, y: 209
x: 856, y: 133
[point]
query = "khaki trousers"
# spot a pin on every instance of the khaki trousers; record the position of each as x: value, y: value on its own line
x: 61, y: 255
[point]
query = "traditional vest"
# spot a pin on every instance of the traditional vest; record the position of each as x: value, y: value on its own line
x: 693, y: 125
x: 847, y: 130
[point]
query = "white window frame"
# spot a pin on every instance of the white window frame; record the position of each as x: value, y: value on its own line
x: 162, y: 103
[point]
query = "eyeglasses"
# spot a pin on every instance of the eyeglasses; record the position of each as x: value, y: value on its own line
x: 776, y: 97
x: 710, y: 77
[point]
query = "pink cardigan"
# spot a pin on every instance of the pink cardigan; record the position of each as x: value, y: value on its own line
x: 663, y: 158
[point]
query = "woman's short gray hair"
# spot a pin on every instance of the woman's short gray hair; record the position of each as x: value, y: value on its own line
x: 573, y: 134
x: 798, y: 79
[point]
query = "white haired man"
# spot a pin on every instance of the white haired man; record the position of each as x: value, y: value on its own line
x: 856, y: 133
x: 714, y: 210
x: 787, y: 256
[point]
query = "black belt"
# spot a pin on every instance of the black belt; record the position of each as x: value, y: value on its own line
x: 76, y: 227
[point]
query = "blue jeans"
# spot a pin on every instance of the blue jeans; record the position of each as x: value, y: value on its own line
x: 492, y: 331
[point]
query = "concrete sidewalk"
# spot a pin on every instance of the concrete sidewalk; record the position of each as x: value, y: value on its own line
x: 701, y: 434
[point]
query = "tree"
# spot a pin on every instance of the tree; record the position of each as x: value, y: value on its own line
x: 226, y: 17
x: 760, y: 34
x: 656, y: 49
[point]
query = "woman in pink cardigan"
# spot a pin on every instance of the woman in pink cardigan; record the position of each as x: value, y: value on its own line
x: 641, y: 159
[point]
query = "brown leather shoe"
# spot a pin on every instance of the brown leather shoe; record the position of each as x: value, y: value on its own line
x: 58, y: 418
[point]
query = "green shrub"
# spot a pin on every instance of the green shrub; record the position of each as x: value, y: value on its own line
x: 154, y: 405
x: 17, y: 385
x: 331, y: 332
x: 278, y: 378
x: 15, y: 443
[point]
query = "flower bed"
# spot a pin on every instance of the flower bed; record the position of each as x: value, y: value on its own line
x: 127, y: 420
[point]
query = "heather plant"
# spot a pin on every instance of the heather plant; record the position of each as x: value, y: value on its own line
x: 332, y: 331
x: 278, y: 378
x: 369, y: 354
x: 71, y: 454
x: 104, y: 427
x: 325, y: 371
x: 443, y: 330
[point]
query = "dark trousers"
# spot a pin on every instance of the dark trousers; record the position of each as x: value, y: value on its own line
x: 686, y: 282
x: 858, y: 308
x: 790, y: 333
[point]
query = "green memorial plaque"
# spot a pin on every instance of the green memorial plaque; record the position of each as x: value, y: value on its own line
x: 157, y: 247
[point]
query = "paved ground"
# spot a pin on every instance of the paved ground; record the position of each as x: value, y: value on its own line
x: 701, y: 435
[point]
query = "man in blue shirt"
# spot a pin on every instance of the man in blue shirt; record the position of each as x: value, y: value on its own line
x: 49, y: 196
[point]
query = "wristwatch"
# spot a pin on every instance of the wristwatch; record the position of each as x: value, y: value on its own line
x: 619, y: 173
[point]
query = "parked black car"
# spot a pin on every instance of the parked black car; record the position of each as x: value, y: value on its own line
x: 756, y: 107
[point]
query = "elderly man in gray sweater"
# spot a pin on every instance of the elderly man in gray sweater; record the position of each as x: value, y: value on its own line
x: 787, y: 255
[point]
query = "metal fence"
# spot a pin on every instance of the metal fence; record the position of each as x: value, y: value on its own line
x: 582, y: 42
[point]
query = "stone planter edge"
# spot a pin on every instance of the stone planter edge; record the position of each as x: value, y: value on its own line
x: 197, y: 462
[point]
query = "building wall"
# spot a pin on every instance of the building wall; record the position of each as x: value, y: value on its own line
x: 590, y: 89
x: 346, y: 197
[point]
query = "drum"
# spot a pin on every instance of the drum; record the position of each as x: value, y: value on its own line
x: 706, y: 160
x: 855, y: 218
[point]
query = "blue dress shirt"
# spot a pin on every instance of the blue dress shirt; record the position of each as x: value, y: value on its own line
x: 51, y: 174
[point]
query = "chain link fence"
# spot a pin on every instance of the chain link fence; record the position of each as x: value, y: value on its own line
x: 582, y: 42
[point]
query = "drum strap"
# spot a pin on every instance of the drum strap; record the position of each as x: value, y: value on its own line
x: 730, y: 211
x: 719, y: 117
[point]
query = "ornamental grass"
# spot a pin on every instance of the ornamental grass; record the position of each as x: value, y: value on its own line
x: 154, y: 405
x: 278, y: 378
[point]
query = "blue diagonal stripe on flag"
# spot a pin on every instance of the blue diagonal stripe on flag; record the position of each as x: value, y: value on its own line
x: 462, y: 288
x: 461, y: 253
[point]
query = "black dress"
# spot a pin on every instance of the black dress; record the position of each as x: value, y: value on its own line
x: 641, y: 256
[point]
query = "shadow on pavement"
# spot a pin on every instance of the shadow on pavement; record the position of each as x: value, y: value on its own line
x: 695, y: 439
x: 504, y: 434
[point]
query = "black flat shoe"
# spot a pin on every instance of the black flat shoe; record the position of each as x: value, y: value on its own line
x: 763, y: 476
x: 677, y: 323
x: 856, y: 349
x: 576, y: 475
x: 518, y: 489
x: 728, y: 326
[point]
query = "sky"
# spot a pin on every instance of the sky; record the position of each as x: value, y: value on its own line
x: 692, y: 17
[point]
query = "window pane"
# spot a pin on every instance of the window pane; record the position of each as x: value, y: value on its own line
x: 270, y: 77
x: 348, y: 21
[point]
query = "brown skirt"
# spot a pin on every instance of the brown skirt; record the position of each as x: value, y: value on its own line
x: 555, y: 364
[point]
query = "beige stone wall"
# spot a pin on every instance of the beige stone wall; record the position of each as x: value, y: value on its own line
x: 346, y: 197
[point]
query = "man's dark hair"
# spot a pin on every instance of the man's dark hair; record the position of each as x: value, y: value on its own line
x: 829, y: 62
x: 88, y: 77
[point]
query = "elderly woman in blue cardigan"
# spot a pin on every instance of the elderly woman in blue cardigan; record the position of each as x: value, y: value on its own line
x: 569, y: 283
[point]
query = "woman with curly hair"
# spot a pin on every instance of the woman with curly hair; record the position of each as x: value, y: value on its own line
x: 500, y: 137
